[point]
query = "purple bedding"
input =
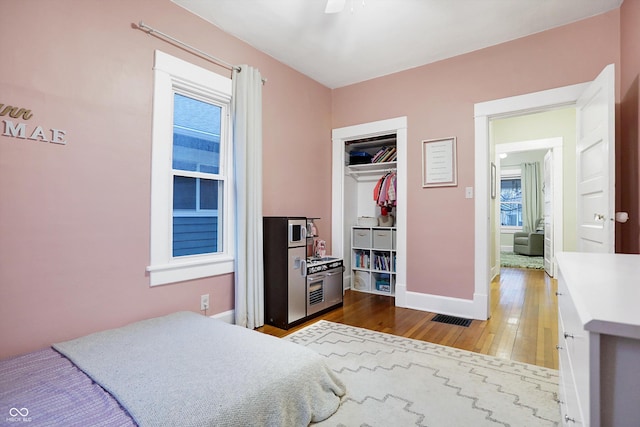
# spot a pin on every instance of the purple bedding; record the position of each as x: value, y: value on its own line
x: 44, y: 388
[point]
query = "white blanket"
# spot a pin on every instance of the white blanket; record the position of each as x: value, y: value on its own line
x: 190, y: 370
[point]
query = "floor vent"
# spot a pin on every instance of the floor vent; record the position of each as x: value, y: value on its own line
x: 451, y: 320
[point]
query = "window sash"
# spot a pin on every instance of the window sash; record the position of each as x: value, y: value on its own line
x: 172, y: 75
x: 197, y: 230
x: 514, y: 202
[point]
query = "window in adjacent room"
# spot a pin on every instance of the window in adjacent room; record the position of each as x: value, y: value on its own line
x: 511, y: 200
x: 191, y: 179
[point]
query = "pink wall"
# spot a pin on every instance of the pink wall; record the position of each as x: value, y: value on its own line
x: 629, y: 142
x: 438, y: 100
x: 74, y: 219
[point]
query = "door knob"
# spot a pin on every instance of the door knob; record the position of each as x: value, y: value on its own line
x: 622, y: 217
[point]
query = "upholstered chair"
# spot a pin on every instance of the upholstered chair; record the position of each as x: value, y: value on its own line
x: 530, y: 243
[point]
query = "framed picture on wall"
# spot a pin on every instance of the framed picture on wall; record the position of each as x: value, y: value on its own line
x: 439, y: 162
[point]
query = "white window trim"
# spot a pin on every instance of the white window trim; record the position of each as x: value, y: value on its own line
x: 170, y: 75
x: 510, y: 173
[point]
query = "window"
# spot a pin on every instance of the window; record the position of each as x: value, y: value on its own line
x: 191, y: 173
x: 198, y: 185
x: 511, y: 199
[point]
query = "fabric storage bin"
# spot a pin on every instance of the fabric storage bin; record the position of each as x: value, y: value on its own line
x: 361, y: 280
x: 382, y: 239
x: 367, y: 221
x: 382, y: 282
x: 359, y: 158
x: 361, y: 238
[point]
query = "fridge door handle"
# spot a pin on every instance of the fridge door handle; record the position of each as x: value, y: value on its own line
x: 303, y: 268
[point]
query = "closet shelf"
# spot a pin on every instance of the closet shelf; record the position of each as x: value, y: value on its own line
x: 368, y: 169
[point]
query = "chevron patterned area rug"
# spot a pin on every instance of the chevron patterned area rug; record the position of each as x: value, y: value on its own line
x: 395, y: 381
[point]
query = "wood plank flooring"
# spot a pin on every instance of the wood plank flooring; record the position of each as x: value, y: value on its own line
x: 522, y: 327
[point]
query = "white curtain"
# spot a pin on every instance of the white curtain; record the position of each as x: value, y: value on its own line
x: 531, y: 196
x: 247, y: 143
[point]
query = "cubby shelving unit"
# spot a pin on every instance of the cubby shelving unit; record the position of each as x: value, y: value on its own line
x: 373, y: 259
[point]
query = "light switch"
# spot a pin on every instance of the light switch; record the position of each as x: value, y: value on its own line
x: 468, y: 192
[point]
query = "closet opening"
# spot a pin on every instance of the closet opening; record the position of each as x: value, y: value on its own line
x: 369, y: 230
x: 371, y: 181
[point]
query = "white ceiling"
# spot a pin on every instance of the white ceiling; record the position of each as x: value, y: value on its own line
x: 381, y: 37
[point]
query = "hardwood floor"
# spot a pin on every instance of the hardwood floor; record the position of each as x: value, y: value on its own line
x: 522, y: 327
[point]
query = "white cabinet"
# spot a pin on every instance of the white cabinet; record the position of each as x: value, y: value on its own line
x: 373, y: 259
x: 599, y: 339
x: 573, y: 347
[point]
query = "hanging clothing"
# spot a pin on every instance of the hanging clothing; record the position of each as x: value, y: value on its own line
x: 385, y: 190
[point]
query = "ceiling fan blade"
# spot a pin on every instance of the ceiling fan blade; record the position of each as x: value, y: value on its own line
x: 334, y: 6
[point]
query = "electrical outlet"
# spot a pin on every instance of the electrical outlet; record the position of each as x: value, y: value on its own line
x: 204, y: 302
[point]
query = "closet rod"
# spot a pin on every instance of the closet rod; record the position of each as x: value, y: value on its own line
x: 218, y: 61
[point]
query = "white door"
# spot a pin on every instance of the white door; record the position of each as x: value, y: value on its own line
x: 595, y: 154
x: 547, y: 189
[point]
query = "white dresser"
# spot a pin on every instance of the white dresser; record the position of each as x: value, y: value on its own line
x: 599, y: 339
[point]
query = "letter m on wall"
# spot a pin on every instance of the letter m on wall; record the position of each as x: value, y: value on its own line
x: 16, y: 131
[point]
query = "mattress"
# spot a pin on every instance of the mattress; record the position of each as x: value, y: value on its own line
x: 44, y: 388
x: 181, y: 369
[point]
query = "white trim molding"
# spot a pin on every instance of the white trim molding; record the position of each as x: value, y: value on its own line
x: 226, y: 316
x: 484, y: 112
x: 445, y: 305
x: 173, y: 75
x: 398, y: 126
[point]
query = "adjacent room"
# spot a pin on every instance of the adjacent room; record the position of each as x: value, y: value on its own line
x: 343, y: 212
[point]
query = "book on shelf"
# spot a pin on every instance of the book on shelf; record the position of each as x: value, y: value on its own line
x: 379, y: 154
x: 386, y: 154
x: 362, y: 259
x: 382, y: 262
x: 389, y: 156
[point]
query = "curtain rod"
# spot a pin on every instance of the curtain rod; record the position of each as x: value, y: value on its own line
x: 150, y: 30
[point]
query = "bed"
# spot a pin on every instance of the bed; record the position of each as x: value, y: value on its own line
x: 182, y: 369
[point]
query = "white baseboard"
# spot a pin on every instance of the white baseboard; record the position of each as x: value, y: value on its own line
x: 506, y: 248
x: 495, y: 270
x: 401, y: 295
x: 469, y: 309
x: 226, y: 316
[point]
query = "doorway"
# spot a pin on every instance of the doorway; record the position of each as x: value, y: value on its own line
x: 484, y: 113
x: 341, y: 222
x: 595, y: 152
x: 554, y: 188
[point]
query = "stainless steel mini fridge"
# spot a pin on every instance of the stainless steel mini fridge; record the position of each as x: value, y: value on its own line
x: 285, y: 249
